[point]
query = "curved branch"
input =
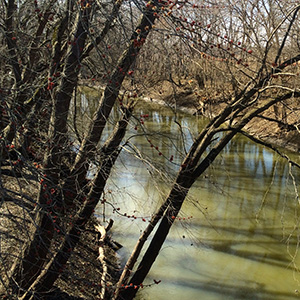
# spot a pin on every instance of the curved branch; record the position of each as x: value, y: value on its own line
x: 108, y: 24
x: 270, y: 146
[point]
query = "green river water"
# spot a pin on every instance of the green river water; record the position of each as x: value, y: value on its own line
x: 238, y: 236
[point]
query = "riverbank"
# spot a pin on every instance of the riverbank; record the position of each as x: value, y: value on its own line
x: 185, y: 95
x: 209, y: 102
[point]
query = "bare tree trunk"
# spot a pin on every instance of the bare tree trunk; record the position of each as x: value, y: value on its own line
x: 109, y: 153
x: 108, y: 100
x: 34, y: 254
x: 189, y: 172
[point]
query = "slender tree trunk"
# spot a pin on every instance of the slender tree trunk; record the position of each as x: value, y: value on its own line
x: 34, y: 254
x: 108, y: 100
x: 109, y: 153
x: 188, y: 174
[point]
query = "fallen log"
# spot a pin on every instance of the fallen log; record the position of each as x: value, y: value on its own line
x: 102, y: 257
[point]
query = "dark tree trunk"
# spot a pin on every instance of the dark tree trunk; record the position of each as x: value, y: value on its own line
x: 53, y: 268
x: 25, y: 272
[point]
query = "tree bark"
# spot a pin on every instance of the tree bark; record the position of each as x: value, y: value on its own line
x: 34, y: 254
x: 108, y: 99
x: 189, y: 172
x: 52, y: 270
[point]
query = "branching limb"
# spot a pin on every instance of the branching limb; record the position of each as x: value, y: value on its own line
x: 270, y: 146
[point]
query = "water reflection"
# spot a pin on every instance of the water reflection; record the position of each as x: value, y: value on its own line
x: 242, y: 239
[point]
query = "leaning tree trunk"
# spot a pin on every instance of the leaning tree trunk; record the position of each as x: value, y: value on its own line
x: 110, y: 95
x: 109, y: 153
x: 188, y: 173
x: 34, y: 254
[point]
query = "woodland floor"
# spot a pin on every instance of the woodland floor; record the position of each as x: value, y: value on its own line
x: 81, y: 279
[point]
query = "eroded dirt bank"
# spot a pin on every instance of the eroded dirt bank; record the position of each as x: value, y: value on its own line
x: 187, y: 96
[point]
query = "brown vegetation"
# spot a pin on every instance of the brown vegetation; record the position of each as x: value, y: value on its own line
x: 180, y: 52
x: 81, y: 278
x: 277, y: 126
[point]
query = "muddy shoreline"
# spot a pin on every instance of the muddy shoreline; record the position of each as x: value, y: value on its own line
x: 261, y: 129
x: 190, y: 99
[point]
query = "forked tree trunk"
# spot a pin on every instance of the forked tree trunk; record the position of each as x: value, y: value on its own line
x: 26, y: 273
x: 188, y: 173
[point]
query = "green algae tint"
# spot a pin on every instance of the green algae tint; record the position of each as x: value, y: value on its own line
x: 237, y: 236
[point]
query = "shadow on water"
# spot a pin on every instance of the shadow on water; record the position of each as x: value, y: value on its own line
x: 265, y: 232
x: 239, y: 287
x: 233, y: 191
x: 274, y: 259
x: 252, y: 290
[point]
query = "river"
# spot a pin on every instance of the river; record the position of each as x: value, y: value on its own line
x: 237, y: 236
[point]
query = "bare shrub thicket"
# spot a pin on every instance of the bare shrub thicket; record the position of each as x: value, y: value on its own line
x: 245, y: 51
